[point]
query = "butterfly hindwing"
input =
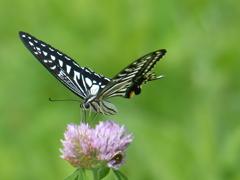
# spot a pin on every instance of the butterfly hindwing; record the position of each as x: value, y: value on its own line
x: 80, y: 80
x: 129, y: 81
x: 143, y: 76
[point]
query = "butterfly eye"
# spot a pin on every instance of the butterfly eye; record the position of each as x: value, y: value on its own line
x: 85, y: 106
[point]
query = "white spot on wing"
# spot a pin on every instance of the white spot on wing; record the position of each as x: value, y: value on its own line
x: 45, y: 53
x: 98, y: 75
x: 51, y: 49
x: 60, y: 62
x: 53, y: 57
x: 68, y: 68
x: 59, y: 53
x: 29, y: 37
x: 54, y: 67
x: 94, y: 89
x: 36, y: 41
x: 43, y: 45
x: 76, y: 75
x: 88, y: 70
x: 31, y: 44
x: 67, y: 58
x: 38, y: 49
x: 24, y: 35
x: 88, y: 81
x: 75, y: 64
x: 83, y: 83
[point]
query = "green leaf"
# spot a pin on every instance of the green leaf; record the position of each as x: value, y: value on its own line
x: 103, y: 172
x: 79, y: 174
x: 119, y: 175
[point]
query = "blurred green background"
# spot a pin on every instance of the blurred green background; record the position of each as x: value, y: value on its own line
x: 186, y: 126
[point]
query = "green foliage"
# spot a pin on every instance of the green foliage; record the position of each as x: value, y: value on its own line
x: 103, y: 172
x: 119, y: 175
x: 79, y: 174
x: 186, y: 126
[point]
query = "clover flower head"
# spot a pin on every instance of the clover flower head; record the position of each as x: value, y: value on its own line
x: 91, y: 148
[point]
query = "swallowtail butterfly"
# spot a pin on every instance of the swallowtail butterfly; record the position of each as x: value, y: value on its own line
x: 92, y: 87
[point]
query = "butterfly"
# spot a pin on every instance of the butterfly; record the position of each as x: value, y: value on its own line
x: 92, y: 87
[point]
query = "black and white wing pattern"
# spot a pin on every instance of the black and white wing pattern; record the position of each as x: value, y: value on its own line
x: 80, y: 80
x: 130, y: 80
x: 92, y: 87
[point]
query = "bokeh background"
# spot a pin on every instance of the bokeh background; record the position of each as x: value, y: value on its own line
x: 186, y: 126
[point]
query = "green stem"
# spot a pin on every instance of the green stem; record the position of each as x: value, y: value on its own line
x: 96, y: 174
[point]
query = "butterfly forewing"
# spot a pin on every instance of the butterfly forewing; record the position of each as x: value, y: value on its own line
x: 141, y: 66
x: 80, y: 80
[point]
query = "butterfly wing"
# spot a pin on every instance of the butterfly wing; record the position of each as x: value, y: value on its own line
x: 129, y: 80
x: 80, y: 80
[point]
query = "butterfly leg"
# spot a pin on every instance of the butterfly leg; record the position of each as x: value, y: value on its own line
x: 94, y: 116
x: 83, y: 115
x: 100, y: 109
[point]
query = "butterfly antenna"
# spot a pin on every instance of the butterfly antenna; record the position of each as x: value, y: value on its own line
x: 53, y: 100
